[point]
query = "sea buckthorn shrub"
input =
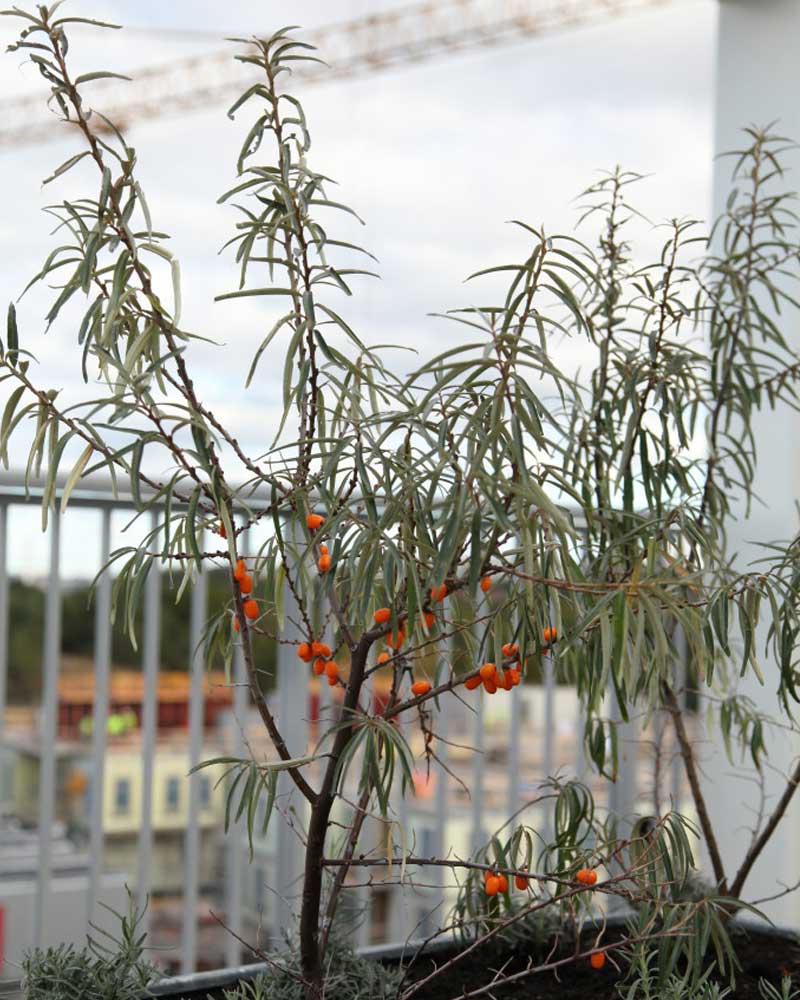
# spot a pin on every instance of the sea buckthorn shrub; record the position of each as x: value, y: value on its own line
x: 485, y: 500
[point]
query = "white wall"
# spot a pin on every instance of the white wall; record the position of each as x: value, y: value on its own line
x: 758, y: 81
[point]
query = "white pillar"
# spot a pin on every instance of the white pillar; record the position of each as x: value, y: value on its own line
x: 757, y: 82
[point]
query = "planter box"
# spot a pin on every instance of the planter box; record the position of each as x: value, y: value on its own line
x: 198, y: 986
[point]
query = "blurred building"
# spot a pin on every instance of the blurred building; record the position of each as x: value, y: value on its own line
x: 66, y: 895
x: 20, y: 768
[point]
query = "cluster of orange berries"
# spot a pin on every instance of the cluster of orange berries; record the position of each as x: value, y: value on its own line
x: 588, y: 876
x: 320, y: 653
x: 495, y: 883
x: 245, y: 581
x: 315, y: 522
x: 492, y: 679
x: 394, y: 640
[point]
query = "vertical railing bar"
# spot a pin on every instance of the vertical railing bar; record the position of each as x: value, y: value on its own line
x: 624, y: 791
x: 399, y: 899
x: 151, y: 660
x: 199, y: 613
x: 548, y: 748
x: 580, y: 748
x: 3, y: 613
x: 478, y: 769
x: 365, y: 916
x: 292, y: 720
x: 363, y: 893
x: 659, y: 749
x: 234, y: 856
x: 48, y: 733
x: 442, y: 778
x: 676, y: 766
x: 513, y: 753
x: 102, y: 670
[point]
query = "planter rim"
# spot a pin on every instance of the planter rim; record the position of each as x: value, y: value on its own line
x: 227, y: 978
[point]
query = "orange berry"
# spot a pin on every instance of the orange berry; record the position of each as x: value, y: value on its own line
x: 492, y: 885
x: 580, y: 875
x: 486, y: 584
x: 506, y: 681
x: 521, y: 882
x: 250, y: 608
x: 382, y: 616
x: 304, y: 652
x: 221, y: 530
x: 490, y: 687
x: 236, y: 625
x: 591, y: 877
x: 420, y: 687
x: 430, y: 618
x: 319, y: 666
x: 488, y: 672
x: 550, y: 634
x: 241, y: 569
x: 330, y: 668
x: 514, y: 674
x: 246, y: 584
x: 439, y: 593
x: 320, y: 649
x: 502, y: 883
x: 384, y: 657
x: 324, y: 563
x: 323, y: 550
x: 332, y: 680
x: 396, y: 639
x: 509, y: 650
x: 472, y: 682
x: 315, y: 521
x: 598, y: 960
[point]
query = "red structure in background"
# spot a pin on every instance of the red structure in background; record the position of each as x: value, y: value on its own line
x: 76, y: 698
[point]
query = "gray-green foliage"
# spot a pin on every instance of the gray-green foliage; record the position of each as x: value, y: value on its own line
x: 589, y: 498
x: 347, y: 977
x: 768, y: 991
x: 589, y: 501
x: 107, y: 968
x: 674, y: 928
x: 644, y: 983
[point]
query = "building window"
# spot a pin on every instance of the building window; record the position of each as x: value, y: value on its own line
x: 205, y: 791
x: 173, y: 794
x: 122, y: 796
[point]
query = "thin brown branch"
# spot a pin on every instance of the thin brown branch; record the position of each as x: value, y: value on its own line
x: 693, y: 777
x: 766, y: 834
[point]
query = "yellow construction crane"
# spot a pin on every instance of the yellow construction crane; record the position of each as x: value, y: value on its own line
x: 369, y: 44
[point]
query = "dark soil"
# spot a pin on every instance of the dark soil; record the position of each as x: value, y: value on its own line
x: 761, y: 955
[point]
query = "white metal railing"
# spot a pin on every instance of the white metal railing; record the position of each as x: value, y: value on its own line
x: 291, y: 708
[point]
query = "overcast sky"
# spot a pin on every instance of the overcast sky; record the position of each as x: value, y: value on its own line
x: 435, y: 158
